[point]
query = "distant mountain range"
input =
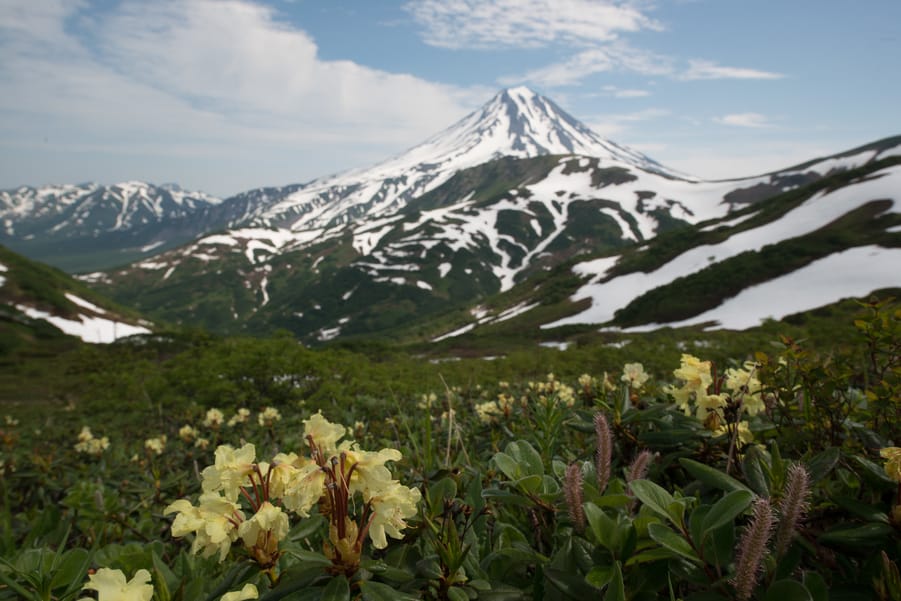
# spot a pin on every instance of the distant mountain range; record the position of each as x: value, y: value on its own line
x: 517, y: 212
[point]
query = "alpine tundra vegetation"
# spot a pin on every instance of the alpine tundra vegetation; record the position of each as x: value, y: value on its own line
x: 194, y: 471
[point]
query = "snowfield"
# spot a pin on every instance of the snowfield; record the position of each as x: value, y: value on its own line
x: 609, y: 296
x: 91, y: 328
x: 828, y: 280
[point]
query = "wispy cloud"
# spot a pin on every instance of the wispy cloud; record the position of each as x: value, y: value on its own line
x: 615, y: 124
x: 525, y: 23
x: 754, y: 120
x: 702, y: 69
x: 205, y: 74
x: 612, y: 57
x: 594, y: 29
x: 625, y: 92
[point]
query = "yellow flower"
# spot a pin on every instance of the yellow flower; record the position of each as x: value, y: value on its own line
x: 324, y: 433
x: 390, y: 508
x: 268, y: 417
x: 694, y: 372
x: 112, y: 586
x: 239, y: 418
x: 488, y: 412
x: 742, y: 384
x: 85, y: 434
x: 302, y: 489
x: 187, y: 433
x: 696, y: 377
x: 267, y: 519
x: 634, y: 375
x: 230, y: 471
x: 248, y: 592
x: 214, y: 523
x: 710, y: 403
x: 893, y: 465
x: 745, y: 436
x: 156, y: 445
x: 213, y: 419
x: 370, y: 474
x: 89, y: 445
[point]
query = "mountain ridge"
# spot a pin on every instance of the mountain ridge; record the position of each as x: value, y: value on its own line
x: 474, y: 213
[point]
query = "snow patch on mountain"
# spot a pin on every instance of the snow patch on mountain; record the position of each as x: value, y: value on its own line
x: 864, y: 268
x: 608, y: 296
x: 90, y: 328
x: 517, y: 122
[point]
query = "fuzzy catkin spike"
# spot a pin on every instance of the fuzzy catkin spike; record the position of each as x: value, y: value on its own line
x: 639, y: 467
x: 751, y: 549
x: 604, y: 453
x: 792, y: 507
x: 572, y: 489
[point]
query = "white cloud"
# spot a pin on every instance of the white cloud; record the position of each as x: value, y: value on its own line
x: 202, y: 77
x: 755, y: 120
x: 626, y: 93
x: 611, y: 57
x: 524, y: 23
x: 703, y: 69
x: 614, y: 125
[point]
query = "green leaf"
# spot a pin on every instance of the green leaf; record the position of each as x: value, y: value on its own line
x: 506, y: 497
x: 507, y: 465
x: 570, y: 583
x: 526, y: 456
x: 455, y: 593
x: 726, y: 509
x: 816, y: 585
x: 711, y: 476
x: 654, y: 496
x: 616, y: 590
x: 338, y: 589
x: 599, y: 576
x: 868, y: 535
x: 73, y: 568
x: 787, y: 590
x: 376, y: 591
x: 602, y: 525
x: 861, y: 510
x: 756, y: 467
x: 821, y: 464
x: 672, y: 541
x: 529, y: 484
x: 445, y: 488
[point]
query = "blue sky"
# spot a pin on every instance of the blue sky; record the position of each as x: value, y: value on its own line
x: 228, y: 95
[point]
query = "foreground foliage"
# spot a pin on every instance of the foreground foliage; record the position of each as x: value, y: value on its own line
x: 773, y: 476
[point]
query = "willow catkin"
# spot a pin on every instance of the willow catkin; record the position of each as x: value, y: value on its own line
x: 792, y: 507
x: 751, y: 549
x: 572, y: 490
x: 604, y: 454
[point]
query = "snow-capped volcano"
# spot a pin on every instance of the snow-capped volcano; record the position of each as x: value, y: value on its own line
x: 517, y: 122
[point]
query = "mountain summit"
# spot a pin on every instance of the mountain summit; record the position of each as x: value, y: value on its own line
x: 517, y: 122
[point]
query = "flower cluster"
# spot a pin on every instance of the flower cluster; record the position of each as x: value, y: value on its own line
x: 330, y: 477
x: 892, y: 455
x: 89, y: 445
x: 553, y: 389
x: 490, y: 411
x: 737, y: 393
x: 156, y: 445
x: 268, y: 417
